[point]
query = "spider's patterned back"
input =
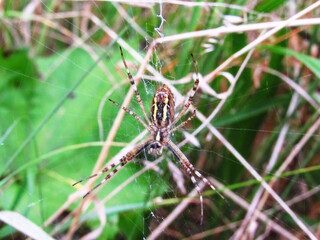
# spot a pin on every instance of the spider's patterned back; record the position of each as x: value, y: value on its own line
x: 162, y: 108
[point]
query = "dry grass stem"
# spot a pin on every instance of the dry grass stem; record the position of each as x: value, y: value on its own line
x: 262, y: 216
x: 216, y: 32
x: 174, y: 214
x: 259, y: 40
x: 296, y: 149
x: 298, y: 89
x: 275, y: 154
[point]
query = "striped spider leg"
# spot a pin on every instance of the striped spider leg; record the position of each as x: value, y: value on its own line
x: 128, y: 157
x: 194, y: 181
x: 135, y: 88
x: 193, y: 91
x: 183, y: 160
x: 161, y: 126
x: 181, y: 125
x: 190, y: 169
x: 115, y: 167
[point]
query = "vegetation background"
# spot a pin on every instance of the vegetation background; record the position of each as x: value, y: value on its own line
x: 60, y: 62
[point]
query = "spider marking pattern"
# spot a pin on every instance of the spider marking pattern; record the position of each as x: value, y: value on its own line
x: 161, y: 126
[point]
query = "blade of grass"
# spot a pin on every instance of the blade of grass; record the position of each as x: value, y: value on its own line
x: 311, y: 62
x: 24, y: 225
x: 51, y: 154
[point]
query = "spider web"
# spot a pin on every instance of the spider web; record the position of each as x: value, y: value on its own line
x: 147, y: 195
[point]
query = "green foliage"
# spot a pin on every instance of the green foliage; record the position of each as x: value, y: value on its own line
x: 310, y: 62
x: 52, y: 89
x: 18, y: 82
x: 269, y: 5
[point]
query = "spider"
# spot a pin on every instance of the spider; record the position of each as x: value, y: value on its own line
x: 161, y: 126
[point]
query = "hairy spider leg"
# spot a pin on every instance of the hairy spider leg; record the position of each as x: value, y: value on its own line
x: 190, y: 99
x: 114, y: 171
x: 132, y: 114
x: 177, y: 152
x: 118, y: 165
x: 194, y: 181
x: 184, y: 123
x: 135, y: 89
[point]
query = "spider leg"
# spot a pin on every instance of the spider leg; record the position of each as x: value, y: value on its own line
x: 193, y: 91
x: 135, y: 89
x: 106, y: 169
x: 177, y: 152
x: 114, y: 171
x: 132, y: 114
x: 183, y: 123
x: 118, y: 165
x: 195, y: 183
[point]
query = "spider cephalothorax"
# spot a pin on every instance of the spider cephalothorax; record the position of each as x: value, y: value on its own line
x: 162, y: 124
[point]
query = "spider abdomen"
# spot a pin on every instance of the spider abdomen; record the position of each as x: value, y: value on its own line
x: 162, y: 108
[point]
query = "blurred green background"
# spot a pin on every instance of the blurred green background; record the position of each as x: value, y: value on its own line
x: 52, y: 84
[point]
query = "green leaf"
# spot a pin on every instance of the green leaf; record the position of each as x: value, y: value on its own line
x: 269, y: 5
x: 311, y: 62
